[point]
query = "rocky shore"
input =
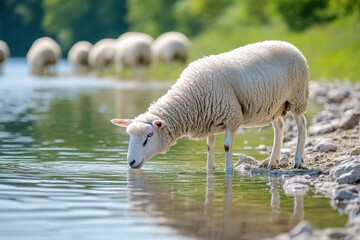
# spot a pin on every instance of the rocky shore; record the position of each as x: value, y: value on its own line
x: 332, y: 159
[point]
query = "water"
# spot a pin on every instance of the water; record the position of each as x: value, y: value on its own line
x: 64, y: 174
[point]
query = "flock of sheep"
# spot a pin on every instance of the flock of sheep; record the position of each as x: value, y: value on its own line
x: 134, y: 50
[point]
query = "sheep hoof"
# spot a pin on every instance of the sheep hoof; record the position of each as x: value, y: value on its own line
x: 298, y: 166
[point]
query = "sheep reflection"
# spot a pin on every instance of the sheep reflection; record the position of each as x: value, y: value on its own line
x: 224, y: 209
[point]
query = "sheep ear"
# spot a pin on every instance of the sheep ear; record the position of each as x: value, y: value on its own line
x: 158, y: 124
x: 122, y: 122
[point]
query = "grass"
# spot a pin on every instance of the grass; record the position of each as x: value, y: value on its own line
x: 332, y: 50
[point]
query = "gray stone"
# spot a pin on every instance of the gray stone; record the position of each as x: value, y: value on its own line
x: 344, y: 195
x: 350, y: 119
x: 320, y: 128
x: 303, y: 229
x: 325, y: 146
x: 246, y: 159
x: 347, y: 172
x: 355, y: 151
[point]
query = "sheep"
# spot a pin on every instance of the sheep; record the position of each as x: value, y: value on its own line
x: 170, y: 47
x: 102, y: 53
x: 79, y: 54
x: 43, y: 54
x: 133, y: 49
x: 251, y: 86
x: 4, y: 53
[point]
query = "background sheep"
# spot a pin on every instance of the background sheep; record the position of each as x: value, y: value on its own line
x: 170, y: 47
x: 251, y: 86
x: 43, y: 54
x: 102, y: 53
x: 4, y: 53
x: 78, y: 55
x: 133, y: 50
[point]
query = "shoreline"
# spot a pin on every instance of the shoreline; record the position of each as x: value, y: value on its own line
x: 331, y: 159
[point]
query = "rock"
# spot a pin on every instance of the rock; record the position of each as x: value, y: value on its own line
x: 350, y: 119
x: 298, y: 184
x: 246, y: 159
x: 264, y: 163
x: 284, y: 161
x: 347, y: 172
x: 244, y: 168
x: 325, y: 146
x: 338, y: 95
x: 344, y: 195
x: 303, y: 230
x: 355, y: 151
x: 321, y: 128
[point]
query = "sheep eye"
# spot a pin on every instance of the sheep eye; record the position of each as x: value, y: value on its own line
x: 149, y: 135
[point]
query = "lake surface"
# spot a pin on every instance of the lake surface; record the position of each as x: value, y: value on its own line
x: 64, y: 174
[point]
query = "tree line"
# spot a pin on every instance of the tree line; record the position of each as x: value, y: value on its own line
x: 69, y: 21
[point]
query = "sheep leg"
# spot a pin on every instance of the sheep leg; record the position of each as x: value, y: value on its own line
x: 210, y: 153
x: 278, y: 125
x: 301, y: 137
x: 229, y: 138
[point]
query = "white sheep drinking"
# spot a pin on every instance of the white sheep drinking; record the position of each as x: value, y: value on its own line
x: 170, y: 47
x: 43, y: 54
x: 102, y: 54
x: 78, y: 55
x: 133, y: 50
x: 251, y: 86
x: 4, y: 53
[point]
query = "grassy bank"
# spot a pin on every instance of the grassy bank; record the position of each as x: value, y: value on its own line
x: 332, y: 50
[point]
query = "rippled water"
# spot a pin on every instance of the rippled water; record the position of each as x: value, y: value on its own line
x: 64, y: 175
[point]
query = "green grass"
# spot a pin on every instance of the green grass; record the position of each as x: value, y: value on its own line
x: 332, y: 50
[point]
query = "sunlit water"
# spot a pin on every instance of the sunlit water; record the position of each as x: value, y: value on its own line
x: 64, y: 175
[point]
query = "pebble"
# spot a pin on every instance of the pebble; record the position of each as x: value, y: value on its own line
x: 284, y: 161
x: 325, y: 145
x: 350, y: 119
x: 355, y: 151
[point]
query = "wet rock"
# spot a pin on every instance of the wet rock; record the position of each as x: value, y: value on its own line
x: 259, y: 171
x: 347, y: 172
x: 244, y: 168
x: 325, y: 146
x: 298, y: 184
x: 355, y: 151
x: 303, y: 230
x: 344, y: 195
x: 332, y: 233
x: 325, y: 187
x: 350, y: 119
x: 246, y: 159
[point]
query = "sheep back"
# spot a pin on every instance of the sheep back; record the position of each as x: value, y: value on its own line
x: 246, y: 87
x: 102, y: 53
x: 79, y: 53
x: 171, y: 46
x: 43, y: 53
x: 4, y: 51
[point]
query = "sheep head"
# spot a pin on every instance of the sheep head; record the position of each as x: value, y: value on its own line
x: 145, y: 139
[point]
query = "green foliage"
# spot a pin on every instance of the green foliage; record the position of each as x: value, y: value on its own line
x: 151, y: 16
x: 301, y: 14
